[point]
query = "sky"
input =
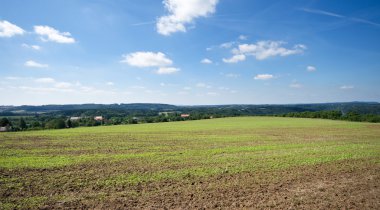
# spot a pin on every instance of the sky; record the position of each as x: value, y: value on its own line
x: 189, y: 52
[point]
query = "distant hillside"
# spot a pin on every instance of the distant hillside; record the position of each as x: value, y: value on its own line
x: 153, y: 109
x: 71, y: 107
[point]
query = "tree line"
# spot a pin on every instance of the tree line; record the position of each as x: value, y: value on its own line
x: 335, y: 115
x: 60, y: 120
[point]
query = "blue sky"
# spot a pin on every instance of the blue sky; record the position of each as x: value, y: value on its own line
x: 189, y: 51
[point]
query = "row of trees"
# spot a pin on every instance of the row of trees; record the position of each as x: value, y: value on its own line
x: 336, y: 115
x: 59, y: 122
x: 5, y: 122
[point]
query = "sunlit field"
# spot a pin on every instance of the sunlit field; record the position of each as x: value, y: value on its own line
x: 259, y: 162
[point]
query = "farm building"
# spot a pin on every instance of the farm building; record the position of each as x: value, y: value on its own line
x: 5, y: 128
x: 98, y: 118
x: 166, y: 113
x: 185, y: 115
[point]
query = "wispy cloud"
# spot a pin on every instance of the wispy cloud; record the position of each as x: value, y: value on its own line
x: 263, y: 77
x: 311, y: 68
x: 227, y: 45
x: 263, y: 50
x: 144, y: 23
x: 346, y: 87
x: 35, y: 47
x: 321, y: 12
x: 331, y: 14
x: 206, y: 61
x: 243, y: 37
x: 295, y: 84
x: 15, y: 78
x: 231, y: 75
x: 50, y: 34
x: 45, y: 80
x: 359, y: 20
x: 167, y: 70
x: 202, y: 85
x: 234, y: 59
x: 35, y: 64
x: 48, y: 85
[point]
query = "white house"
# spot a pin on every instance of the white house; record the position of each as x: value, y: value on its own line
x: 5, y: 128
x: 98, y: 118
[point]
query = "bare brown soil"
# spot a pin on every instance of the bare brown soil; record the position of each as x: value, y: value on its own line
x: 312, y: 187
x: 339, y: 185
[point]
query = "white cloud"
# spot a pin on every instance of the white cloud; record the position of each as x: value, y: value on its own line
x: 243, y: 37
x: 14, y: 78
x: 203, y: 85
x: 212, y: 93
x: 234, y: 59
x: 232, y: 75
x: 162, y: 84
x: 150, y: 59
x: 263, y: 77
x: 206, y: 61
x: 45, y: 80
x: 8, y: 29
x: 110, y: 83
x: 50, y: 34
x: 295, y: 85
x: 138, y: 87
x: 226, y: 45
x: 224, y: 88
x: 147, y: 59
x: 182, y: 13
x: 182, y: 93
x: 63, y: 85
x: 311, y: 68
x: 263, y: 50
x: 346, y: 87
x: 167, y: 70
x: 35, y: 64
x: 50, y: 88
x: 200, y: 85
x: 35, y: 47
x: 187, y: 88
x: 40, y: 90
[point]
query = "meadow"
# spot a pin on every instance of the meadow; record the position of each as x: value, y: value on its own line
x: 242, y: 162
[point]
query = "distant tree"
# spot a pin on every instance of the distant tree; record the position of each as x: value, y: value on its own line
x: 133, y: 120
x: 75, y: 124
x: 23, y: 125
x: 353, y: 116
x: 56, y: 124
x: 69, y: 124
x: 60, y: 124
x: 92, y: 122
x: 36, y: 124
x: 5, y: 122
